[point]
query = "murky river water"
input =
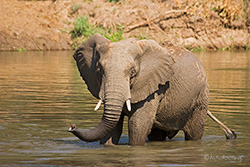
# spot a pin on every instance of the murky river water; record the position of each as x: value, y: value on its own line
x: 41, y: 94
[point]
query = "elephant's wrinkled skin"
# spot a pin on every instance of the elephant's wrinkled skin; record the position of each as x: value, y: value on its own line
x: 167, y: 87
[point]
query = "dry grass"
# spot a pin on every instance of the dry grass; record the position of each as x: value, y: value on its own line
x: 131, y: 12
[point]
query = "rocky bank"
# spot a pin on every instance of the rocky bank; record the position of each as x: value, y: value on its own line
x: 197, y: 25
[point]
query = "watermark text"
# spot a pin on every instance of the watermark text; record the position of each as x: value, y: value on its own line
x: 223, y: 157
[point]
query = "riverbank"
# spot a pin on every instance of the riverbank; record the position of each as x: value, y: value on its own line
x: 56, y: 25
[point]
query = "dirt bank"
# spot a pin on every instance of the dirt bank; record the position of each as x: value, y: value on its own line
x: 46, y: 25
x: 33, y: 25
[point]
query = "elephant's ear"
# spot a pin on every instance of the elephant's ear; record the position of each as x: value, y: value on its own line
x: 86, y: 58
x: 155, y: 69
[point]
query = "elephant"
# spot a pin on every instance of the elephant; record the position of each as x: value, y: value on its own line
x: 160, y: 88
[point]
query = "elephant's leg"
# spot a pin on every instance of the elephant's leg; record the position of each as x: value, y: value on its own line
x: 141, y: 121
x: 195, y: 125
x: 114, y: 136
x: 160, y: 135
x: 157, y: 135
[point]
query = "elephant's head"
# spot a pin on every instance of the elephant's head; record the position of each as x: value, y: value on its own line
x: 128, y: 70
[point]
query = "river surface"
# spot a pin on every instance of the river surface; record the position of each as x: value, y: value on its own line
x: 41, y: 94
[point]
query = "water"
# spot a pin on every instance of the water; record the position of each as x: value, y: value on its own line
x: 41, y: 94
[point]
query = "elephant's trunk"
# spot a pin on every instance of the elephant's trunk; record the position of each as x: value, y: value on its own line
x: 114, y: 100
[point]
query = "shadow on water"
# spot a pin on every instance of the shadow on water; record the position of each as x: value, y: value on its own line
x: 42, y: 94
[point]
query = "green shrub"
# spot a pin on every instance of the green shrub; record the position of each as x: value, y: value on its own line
x: 21, y: 49
x: 112, y: 35
x: 83, y: 30
x: 82, y: 27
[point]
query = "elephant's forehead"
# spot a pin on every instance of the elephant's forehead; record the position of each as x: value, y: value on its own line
x: 118, y: 48
x: 115, y: 53
x: 117, y: 57
x: 123, y: 51
x: 119, y: 52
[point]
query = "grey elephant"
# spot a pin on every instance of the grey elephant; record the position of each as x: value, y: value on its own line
x: 162, y: 89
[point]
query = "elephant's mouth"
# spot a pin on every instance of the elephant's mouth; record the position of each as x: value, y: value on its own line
x: 128, y: 104
x: 72, y: 128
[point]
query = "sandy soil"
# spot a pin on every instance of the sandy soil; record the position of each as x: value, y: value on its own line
x: 33, y: 25
x: 46, y: 25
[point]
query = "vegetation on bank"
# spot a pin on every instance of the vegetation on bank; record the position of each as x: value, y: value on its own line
x: 228, y: 14
x: 58, y: 25
x: 83, y: 30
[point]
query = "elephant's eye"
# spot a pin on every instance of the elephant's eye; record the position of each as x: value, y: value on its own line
x: 132, y: 76
x: 132, y: 72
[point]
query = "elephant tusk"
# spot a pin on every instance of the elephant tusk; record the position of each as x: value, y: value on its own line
x: 98, y: 105
x: 128, y: 105
x: 70, y: 129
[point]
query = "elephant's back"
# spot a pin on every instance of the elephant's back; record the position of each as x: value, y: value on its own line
x: 188, y: 68
x: 185, y: 64
x: 189, y: 78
